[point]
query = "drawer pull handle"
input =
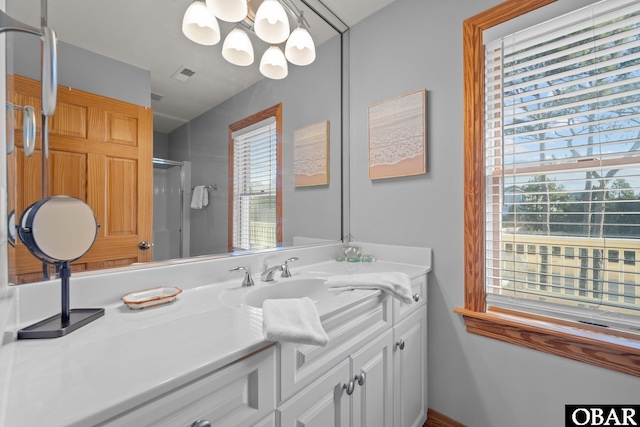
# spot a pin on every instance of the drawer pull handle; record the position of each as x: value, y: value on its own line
x: 416, y: 297
x: 201, y: 423
x: 349, y: 387
x: 360, y: 378
x: 400, y: 344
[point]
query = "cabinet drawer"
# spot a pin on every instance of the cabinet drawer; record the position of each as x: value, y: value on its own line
x: 348, y: 329
x: 419, y: 288
x: 241, y: 394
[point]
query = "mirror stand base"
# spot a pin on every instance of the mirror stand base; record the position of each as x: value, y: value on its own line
x: 54, y: 327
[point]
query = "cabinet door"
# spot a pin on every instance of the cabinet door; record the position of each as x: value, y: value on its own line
x: 324, y: 403
x: 410, y: 371
x: 373, y: 400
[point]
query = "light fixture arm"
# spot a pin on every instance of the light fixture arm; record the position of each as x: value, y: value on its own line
x: 296, y: 12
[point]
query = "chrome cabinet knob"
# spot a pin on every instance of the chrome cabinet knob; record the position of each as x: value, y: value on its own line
x: 201, y: 423
x: 349, y: 387
x: 360, y: 378
x: 400, y: 344
x: 416, y: 297
x: 144, y: 245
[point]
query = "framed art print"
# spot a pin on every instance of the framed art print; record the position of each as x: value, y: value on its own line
x: 311, y: 155
x: 397, y: 136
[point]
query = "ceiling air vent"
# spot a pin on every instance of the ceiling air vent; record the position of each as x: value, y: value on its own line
x: 183, y: 74
x: 156, y: 96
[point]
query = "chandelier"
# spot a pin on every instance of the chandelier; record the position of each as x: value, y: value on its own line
x: 269, y: 22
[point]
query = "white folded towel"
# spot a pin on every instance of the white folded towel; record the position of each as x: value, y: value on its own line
x: 293, y: 320
x: 395, y: 283
x: 200, y: 197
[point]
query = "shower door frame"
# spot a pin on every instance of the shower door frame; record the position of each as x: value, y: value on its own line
x: 184, y: 177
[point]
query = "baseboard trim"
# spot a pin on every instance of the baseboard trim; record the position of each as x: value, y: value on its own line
x: 436, y: 419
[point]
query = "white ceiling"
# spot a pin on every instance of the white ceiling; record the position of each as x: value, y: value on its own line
x: 148, y: 35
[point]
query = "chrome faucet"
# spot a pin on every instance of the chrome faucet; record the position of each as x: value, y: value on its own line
x: 269, y: 272
x: 248, y: 281
x: 285, y: 267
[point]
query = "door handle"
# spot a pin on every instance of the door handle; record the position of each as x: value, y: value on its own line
x: 144, y: 245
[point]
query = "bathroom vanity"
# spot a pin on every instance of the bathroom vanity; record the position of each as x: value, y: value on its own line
x: 202, y: 360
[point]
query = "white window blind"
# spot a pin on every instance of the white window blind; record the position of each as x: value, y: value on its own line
x: 255, y: 170
x: 562, y: 166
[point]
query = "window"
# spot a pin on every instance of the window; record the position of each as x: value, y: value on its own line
x: 255, y: 197
x: 558, y: 119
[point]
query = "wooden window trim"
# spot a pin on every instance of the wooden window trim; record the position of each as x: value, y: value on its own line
x: 275, y: 111
x: 605, y: 348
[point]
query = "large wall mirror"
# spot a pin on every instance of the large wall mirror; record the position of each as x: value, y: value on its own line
x: 127, y: 74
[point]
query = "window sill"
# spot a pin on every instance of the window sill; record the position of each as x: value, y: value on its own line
x: 613, y: 350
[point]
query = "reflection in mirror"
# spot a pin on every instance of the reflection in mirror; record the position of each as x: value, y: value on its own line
x: 118, y: 107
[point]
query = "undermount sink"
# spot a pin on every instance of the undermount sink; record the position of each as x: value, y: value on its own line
x: 313, y: 288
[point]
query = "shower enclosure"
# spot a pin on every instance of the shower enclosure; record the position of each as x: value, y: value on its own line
x: 170, y: 209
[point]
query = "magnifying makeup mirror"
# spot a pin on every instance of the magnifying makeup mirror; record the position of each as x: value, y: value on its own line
x: 59, y: 230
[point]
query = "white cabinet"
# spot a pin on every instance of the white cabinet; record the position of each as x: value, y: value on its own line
x: 372, y: 401
x: 367, y: 375
x: 322, y: 404
x: 348, y: 329
x: 410, y: 370
x: 240, y: 394
x: 389, y: 359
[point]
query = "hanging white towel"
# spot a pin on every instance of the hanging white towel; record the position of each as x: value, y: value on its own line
x: 396, y: 283
x: 200, y: 197
x: 293, y: 320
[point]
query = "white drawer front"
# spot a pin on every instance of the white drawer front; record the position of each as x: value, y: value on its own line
x: 302, y: 364
x: 240, y: 394
x: 419, y: 289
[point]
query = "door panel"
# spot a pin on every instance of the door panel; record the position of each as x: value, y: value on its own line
x: 324, y: 403
x: 373, y: 400
x: 100, y: 152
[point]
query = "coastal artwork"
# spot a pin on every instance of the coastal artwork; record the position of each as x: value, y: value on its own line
x: 397, y: 136
x: 311, y: 155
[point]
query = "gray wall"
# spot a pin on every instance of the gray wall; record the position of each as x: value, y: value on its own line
x: 308, y: 95
x: 160, y: 145
x: 85, y: 70
x: 414, y: 44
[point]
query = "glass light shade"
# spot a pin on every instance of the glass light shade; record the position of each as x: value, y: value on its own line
x: 300, y: 49
x: 237, y: 48
x: 228, y: 10
x: 199, y: 25
x: 271, y: 23
x: 273, y: 64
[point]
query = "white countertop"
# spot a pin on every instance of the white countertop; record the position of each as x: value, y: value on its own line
x: 129, y: 356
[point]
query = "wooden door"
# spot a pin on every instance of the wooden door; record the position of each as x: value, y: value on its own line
x: 101, y: 152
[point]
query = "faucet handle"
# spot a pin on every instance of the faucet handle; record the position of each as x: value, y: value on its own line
x: 248, y: 281
x: 285, y: 267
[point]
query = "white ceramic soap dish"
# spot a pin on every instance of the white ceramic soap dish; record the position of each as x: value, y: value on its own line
x: 150, y: 297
